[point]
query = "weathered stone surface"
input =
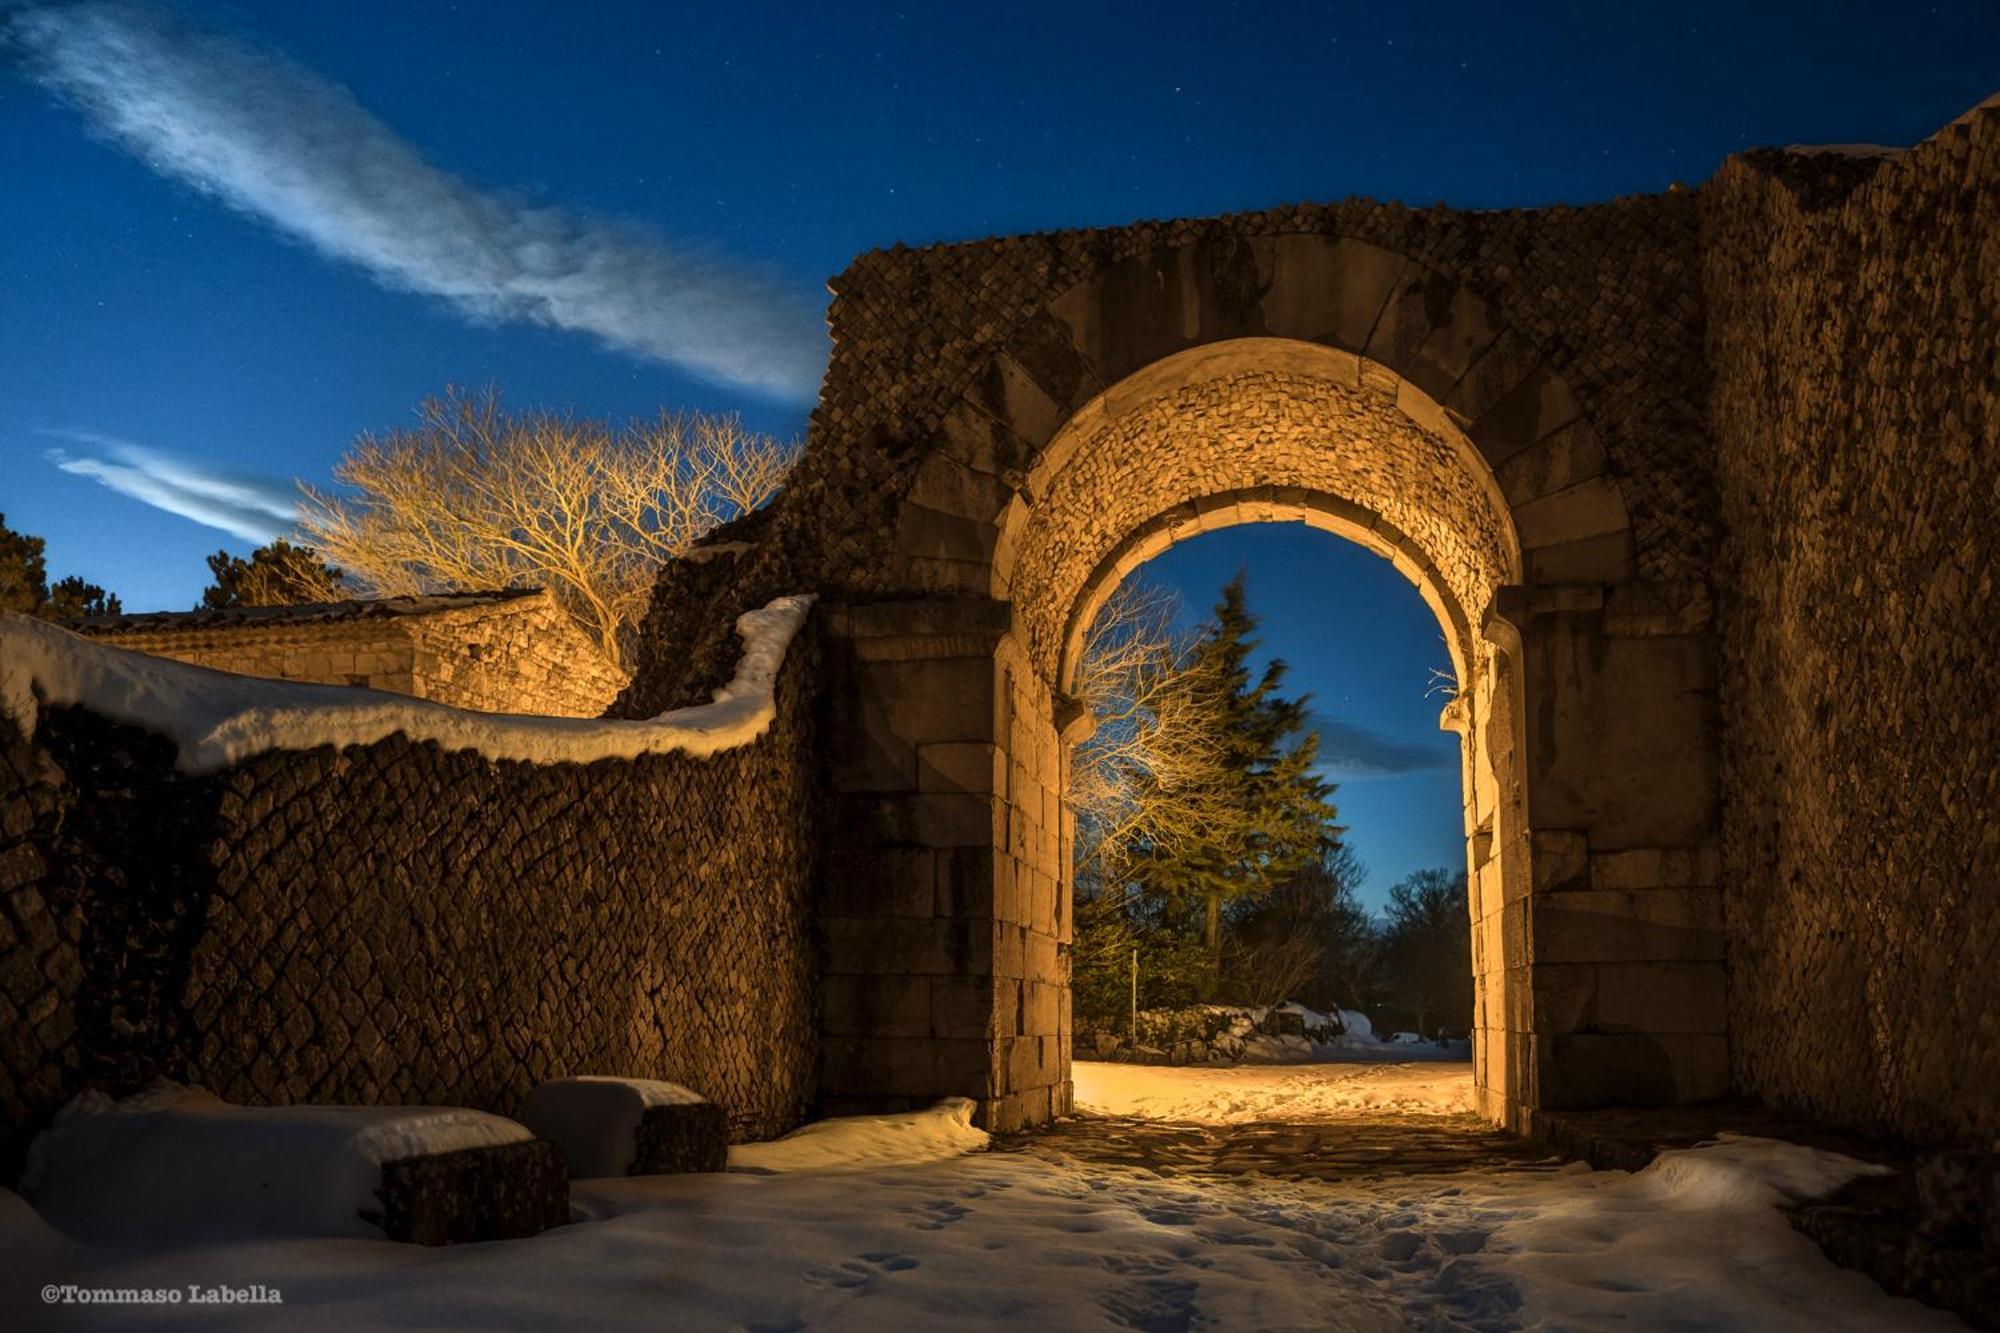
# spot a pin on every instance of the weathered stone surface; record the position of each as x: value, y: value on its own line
x: 510, y: 651
x: 395, y: 923
x: 1854, y: 309
x: 501, y: 1192
x: 683, y: 1137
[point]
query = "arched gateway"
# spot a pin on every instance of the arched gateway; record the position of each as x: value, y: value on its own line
x: 1044, y: 416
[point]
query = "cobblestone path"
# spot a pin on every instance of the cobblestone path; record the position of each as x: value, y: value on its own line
x: 1362, y: 1147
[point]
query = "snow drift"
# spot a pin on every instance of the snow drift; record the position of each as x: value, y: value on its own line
x: 847, y: 1142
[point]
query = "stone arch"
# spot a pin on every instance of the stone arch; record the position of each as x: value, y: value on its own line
x: 1442, y: 351
x: 1235, y: 379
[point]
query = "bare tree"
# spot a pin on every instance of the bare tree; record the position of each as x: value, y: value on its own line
x: 1144, y: 779
x: 476, y: 496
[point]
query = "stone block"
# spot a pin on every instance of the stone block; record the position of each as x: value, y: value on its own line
x: 1677, y: 997
x: 1549, y: 998
x: 972, y: 882
x: 946, y: 485
x: 608, y: 1127
x: 1606, y: 559
x: 950, y: 819
x: 881, y: 881
x: 934, y: 700
x: 1561, y: 860
x: 1620, y: 735
x: 1594, y: 507
x: 1541, y: 404
x: 1328, y: 289
x: 1598, y: 926
x: 933, y: 535
x: 895, y: 1005
x: 1041, y: 1007
x: 1042, y: 957
x: 1579, y: 1071
x: 1467, y: 329
x: 966, y: 1007
x: 973, y: 767
x: 1567, y: 458
x: 897, y: 946
x: 981, y: 443
x: 502, y: 1192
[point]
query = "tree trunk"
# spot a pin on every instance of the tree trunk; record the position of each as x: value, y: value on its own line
x: 1214, y: 942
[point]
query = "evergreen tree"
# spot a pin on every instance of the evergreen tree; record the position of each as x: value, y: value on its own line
x: 24, y: 583
x: 71, y: 598
x: 280, y: 574
x: 24, y: 574
x: 1272, y: 812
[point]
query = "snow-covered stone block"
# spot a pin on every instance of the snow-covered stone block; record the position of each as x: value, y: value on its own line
x: 179, y: 1163
x: 609, y: 1126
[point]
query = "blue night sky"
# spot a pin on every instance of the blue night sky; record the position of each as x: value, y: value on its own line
x: 216, y: 266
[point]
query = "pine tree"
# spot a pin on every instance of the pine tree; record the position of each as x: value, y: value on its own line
x: 280, y: 574
x: 1272, y: 812
x: 25, y: 588
x: 24, y: 574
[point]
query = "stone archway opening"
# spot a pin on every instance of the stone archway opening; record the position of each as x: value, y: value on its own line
x: 1128, y: 402
x: 1371, y: 654
x: 1273, y: 430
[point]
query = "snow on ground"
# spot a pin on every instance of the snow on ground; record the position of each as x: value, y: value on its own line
x: 216, y: 719
x: 995, y: 1241
x: 848, y: 1142
x: 1239, y: 1095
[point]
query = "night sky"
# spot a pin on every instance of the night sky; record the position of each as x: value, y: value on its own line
x: 216, y: 267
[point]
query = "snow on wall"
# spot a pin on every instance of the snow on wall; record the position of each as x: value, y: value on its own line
x: 396, y: 920
x: 216, y: 719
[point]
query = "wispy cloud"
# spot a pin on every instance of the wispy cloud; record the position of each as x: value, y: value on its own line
x: 253, y: 508
x: 272, y: 139
x: 1348, y: 751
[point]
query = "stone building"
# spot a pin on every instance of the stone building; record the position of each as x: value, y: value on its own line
x: 510, y: 651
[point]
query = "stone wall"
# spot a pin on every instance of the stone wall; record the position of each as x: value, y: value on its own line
x: 941, y: 348
x: 958, y: 496
x: 512, y: 651
x: 1855, y: 331
x: 396, y: 923
x: 519, y: 656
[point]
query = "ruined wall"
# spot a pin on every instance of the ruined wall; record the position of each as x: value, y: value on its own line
x: 935, y: 348
x: 512, y: 651
x: 1854, y: 327
x: 395, y: 923
x: 376, y: 654
x: 518, y: 656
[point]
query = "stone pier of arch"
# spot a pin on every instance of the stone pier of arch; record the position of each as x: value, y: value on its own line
x: 1597, y: 939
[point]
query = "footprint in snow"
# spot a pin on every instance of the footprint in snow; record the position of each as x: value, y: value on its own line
x: 860, y: 1273
x: 1398, y: 1246
x: 937, y: 1214
x: 1153, y: 1305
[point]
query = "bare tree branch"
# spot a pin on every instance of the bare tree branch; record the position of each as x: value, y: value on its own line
x: 477, y: 497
